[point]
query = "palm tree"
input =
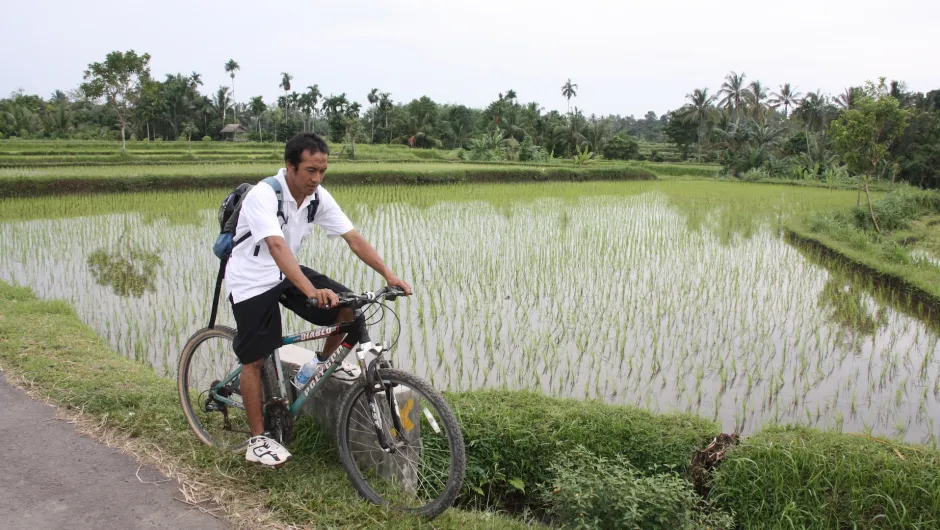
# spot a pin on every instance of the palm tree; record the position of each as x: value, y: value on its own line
x: 733, y: 91
x: 231, y: 67
x: 420, y: 131
x: 700, y: 113
x: 787, y: 98
x: 511, y: 96
x: 849, y: 98
x: 222, y: 101
x: 373, y: 98
x: 285, y: 83
x: 569, y: 90
x: 257, y: 108
x: 813, y: 110
x: 195, y: 80
x: 385, y: 107
x: 572, y: 133
x: 756, y: 94
x: 306, y: 106
x: 313, y: 92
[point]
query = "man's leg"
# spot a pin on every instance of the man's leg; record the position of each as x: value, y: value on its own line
x: 252, y: 395
x: 333, y: 341
x: 294, y: 300
x: 258, y: 320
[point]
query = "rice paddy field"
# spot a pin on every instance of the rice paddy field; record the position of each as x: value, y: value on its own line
x: 670, y: 295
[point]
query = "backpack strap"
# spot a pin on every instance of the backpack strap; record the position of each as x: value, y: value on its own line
x: 276, y: 185
x: 312, y: 207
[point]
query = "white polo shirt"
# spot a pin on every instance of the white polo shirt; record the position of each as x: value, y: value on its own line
x: 251, y: 270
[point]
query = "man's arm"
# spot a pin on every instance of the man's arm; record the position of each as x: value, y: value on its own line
x: 288, y: 264
x: 360, y: 247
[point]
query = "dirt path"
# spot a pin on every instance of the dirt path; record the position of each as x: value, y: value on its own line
x: 52, y: 477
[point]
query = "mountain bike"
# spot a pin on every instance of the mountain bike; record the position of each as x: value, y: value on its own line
x: 398, y: 439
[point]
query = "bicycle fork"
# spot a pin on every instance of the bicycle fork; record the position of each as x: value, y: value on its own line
x: 375, y: 385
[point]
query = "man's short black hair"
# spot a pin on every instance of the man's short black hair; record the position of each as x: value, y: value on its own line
x: 304, y: 142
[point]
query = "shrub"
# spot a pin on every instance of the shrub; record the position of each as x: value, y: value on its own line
x: 207, y: 139
x: 588, y: 491
x: 514, y: 437
x: 133, y: 138
x: 805, y: 478
x: 621, y: 147
x: 754, y: 174
x: 159, y: 139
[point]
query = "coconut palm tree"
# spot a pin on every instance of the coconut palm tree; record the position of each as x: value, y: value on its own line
x: 849, y: 98
x: 257, y: 109
x: 569, y: 90
x: 787, y: 97
x: 231, y: 67
x: 373, y: 98
x: 813, y: 110
x: 700, y: 111
x: 755, y: 95
x: 733, y: 91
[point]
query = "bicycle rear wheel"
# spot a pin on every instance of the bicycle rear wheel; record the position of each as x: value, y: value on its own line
x: 426, y: 470
x: 206, y: 360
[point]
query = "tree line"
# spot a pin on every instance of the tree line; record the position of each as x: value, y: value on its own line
x: 754, y: 131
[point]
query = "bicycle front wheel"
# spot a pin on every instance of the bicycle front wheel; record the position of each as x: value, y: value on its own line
x: 424, y: 472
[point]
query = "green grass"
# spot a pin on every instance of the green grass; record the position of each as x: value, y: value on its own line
x: 50, y: 181
x: 45, y: 343
x: 910, y: 220
x: 800, y: 478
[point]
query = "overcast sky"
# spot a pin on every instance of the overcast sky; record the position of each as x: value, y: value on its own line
x: 626, y: 57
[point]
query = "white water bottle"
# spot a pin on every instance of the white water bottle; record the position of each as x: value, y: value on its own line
x: 306, y: 372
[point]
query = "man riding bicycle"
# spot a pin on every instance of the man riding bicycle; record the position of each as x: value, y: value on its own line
x: 263, y: 272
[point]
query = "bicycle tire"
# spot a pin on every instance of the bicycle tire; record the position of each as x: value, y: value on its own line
x: 458, y: 460
x: 183, y: 384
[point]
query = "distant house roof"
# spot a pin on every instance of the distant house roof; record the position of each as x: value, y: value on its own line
x: 234, y: 128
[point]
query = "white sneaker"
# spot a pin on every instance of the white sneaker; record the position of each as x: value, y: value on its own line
x: 267, y: 452
x: 347, y: 372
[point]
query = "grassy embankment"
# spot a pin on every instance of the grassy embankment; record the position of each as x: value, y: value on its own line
x: 905, y: 253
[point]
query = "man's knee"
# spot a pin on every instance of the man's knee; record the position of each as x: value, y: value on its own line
x: 254, y: 366
x: 345, y: 315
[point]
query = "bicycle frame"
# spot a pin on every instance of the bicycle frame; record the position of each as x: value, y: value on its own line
x: 323, y: 371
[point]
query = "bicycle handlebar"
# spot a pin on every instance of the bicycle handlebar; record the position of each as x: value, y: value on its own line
x: 358, y: 300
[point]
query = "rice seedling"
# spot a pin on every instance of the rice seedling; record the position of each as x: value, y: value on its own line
x: 668, y: 295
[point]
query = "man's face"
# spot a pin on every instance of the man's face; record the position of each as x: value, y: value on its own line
x: 307, y: 175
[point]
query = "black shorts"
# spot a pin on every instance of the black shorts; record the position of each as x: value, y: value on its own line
x: 259, y: 318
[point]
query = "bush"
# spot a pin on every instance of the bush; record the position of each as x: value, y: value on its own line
x: 207, y: 139
x: 516, y: 436
x: 754, y: 175
x: 819, y: 480
x: 133, y: 138
x: 159, y: 140
x: 590, y: 492
x: 621, y: 147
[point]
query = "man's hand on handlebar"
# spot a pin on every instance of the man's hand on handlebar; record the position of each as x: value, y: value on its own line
x: 395, y: 281
x: 324, y: 298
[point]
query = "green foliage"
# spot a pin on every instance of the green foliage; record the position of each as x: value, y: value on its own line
x: 207, y: 139
x: 518, y: 435
x: 583, y: 155
x: 863, y: 135
x: 592, y: 492
x: 621, y: 147
x: 803, y: 478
